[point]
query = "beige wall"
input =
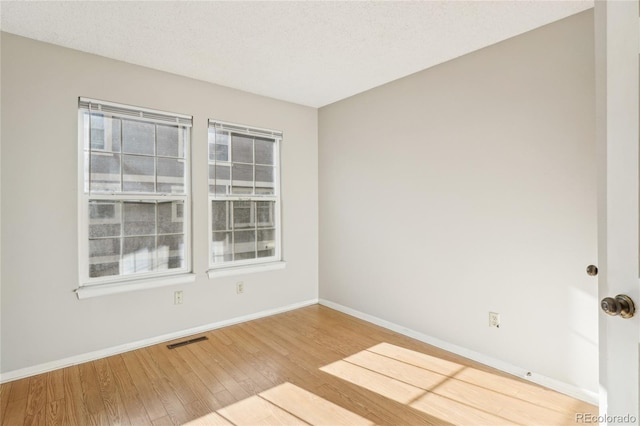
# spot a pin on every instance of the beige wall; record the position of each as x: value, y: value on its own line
x: 42, y: 320
x: 471, y: 187
x: 463, y: 189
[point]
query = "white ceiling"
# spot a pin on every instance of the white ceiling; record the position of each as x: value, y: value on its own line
x: 307, y: 52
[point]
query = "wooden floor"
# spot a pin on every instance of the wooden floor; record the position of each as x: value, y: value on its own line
x: 309, y: 366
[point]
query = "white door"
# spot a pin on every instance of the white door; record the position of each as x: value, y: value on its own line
x: 617, y: 38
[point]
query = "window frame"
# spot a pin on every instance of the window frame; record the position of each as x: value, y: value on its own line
x: 91, y: 286
x: 257, y: 263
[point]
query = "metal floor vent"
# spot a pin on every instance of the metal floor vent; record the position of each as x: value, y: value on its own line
x: 187, y: 342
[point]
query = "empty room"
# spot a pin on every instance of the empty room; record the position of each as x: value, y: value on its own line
x: 322, y: 212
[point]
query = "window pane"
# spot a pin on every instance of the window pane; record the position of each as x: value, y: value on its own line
x: 266, y: 243
x: 139, y: 137
x: 264, y: 213
x: 265, y: 191
x: 239, y: 190
x: 139, y: 218
x: 170, y: 141
x: 242, y: 214
x: 170, y: 252
x: 218, y: 145
x: 138, y: 254
x: 171, y: 217
x: 170, y: 176
x: 265, y: 149
x: 105, y: 172
x: 242, y: 179
x: 241, y: 149
x: 97, y: 131
x: 105, y: 219
x: 85, y: 130
x: 220, y: 216
x: 220, y: 176
x: 264, y: 178
x: 212, y: 144
x: 244, y: 246
x: 139, y: 174
x: 221, y: 247
x: 105, y: 133
x: 104, y: 257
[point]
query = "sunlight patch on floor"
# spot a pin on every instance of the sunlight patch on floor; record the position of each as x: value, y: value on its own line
x: 310, y: 407
x: 285, y: 404
x: 449, y: 391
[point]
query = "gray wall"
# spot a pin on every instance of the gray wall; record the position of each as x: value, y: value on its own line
x: 471, y: 187
x: 42, y: 320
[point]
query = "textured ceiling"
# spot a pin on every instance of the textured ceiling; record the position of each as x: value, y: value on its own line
x: 311, y: 53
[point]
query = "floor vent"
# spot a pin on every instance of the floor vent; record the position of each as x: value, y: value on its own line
x: 187, y: 342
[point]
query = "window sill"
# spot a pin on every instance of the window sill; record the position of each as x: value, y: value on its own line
x: 246, y: 269
x: 87, y: 292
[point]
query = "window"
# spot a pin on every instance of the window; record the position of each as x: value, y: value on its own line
x: 244, y: 195
x: 135, y: 195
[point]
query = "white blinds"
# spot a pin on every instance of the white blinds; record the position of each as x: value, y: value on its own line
x: 253, y: 131
x: 125, y: 111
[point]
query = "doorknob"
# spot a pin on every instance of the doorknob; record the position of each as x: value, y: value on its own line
x: 620, y: 305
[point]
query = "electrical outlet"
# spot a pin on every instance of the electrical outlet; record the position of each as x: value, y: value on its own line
x: 178, y: 297
x: 240, y: 287
x: 494, y: 319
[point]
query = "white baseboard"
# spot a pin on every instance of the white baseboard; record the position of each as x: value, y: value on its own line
x: 556, y: 385
x: 567, y: 389
x: 91, y: 356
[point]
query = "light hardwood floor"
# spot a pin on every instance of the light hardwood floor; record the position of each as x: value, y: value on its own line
x: 309, y: 366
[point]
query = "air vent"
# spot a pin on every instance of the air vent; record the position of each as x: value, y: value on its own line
x: 187, y: 342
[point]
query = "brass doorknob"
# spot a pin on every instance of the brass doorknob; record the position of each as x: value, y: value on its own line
x: 620, y: 305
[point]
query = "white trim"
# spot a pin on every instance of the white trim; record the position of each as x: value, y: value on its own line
x: 246, y: 269
x: 115, y: 350
x: 89, y: 291
x: 556, y: 385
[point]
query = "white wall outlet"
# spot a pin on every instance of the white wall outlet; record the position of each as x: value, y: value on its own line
x: 240, y: 287
x: 178, y: 297
x: 494, y: 319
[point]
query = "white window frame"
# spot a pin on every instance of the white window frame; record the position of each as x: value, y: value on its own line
x: 257, y: 264
x: 96, y: 286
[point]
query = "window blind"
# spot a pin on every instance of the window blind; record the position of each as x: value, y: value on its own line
x: 247, y: 130
x: 119, y: 110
